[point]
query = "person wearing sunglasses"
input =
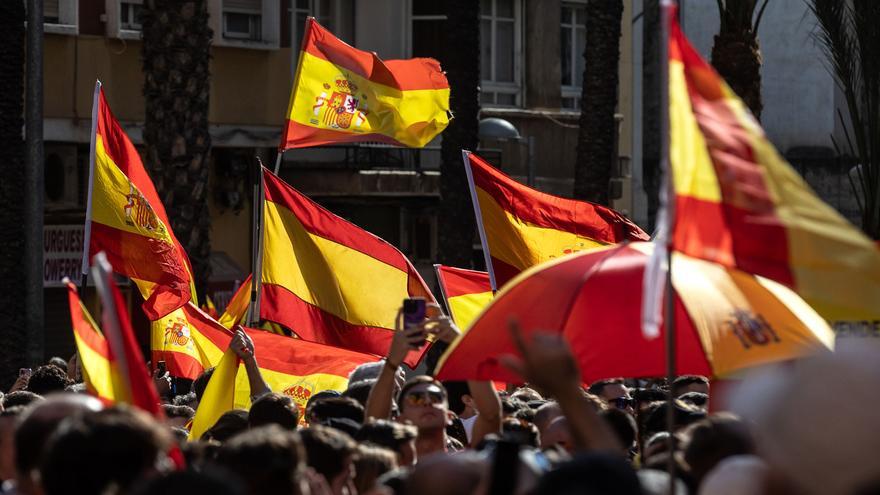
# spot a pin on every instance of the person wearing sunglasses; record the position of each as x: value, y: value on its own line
x: 615, y: 393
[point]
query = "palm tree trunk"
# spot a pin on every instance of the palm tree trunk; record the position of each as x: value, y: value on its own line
x: 736, y: 54
x: 12, y: 201
x: 176, y: 53
x: 462, y: 65
x: 597, y: 139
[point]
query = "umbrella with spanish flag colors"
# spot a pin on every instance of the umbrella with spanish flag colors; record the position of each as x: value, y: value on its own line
x: 726, y: 320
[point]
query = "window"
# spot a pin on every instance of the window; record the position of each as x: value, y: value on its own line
x: 573, y: 32
x: 428, y: 23
x: 130, y: 14
x: 335, y: 15
x: 60, y: 16
x: 500, y: 50
x: 242, y: 19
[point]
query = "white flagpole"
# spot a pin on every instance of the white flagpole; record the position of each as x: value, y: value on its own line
x: 257, y: 248
x: 102, y: 273
x: 87, y: 234
x: 466, y: 158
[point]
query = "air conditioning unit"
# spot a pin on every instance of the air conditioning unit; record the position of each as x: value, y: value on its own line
x: 61, y: 177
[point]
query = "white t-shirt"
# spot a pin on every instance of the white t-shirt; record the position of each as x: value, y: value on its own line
x: 469, y: 426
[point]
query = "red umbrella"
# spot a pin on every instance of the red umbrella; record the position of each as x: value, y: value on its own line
x: 726, y: 320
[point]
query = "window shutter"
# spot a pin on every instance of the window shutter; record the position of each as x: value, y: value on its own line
x: 50, y: 9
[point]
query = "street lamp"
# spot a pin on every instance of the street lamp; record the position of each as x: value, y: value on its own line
x: 503, y: 130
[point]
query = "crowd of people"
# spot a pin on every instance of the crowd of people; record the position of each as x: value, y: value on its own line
x: 397, y: 433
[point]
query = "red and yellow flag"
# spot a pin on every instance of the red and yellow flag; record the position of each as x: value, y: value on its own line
x: 328, y: 280
x: 126, y: 220
x: 466, y: 292
x: 522, y: 227
x: 99, y: 375
x: 294, y: 367
x: 738, y: 203
x: 342, y: 94
x: 238, y: 305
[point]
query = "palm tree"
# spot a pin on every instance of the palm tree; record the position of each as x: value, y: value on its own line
x: 848, y: 32
x: 597, y: 139
x: 462, y: 65
x: 176, y: 52
x: 736, y: 54
x: 12, y: 270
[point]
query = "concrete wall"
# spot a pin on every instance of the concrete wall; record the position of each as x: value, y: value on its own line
x: 798, y: 92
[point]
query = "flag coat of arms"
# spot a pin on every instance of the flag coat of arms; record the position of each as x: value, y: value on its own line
x: 342, y: 94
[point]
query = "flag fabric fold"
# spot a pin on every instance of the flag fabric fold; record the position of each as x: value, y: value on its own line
x: 99, y: 374
x: 342, y: 94
x: 466, y: 292
x: 738, y: 203
x: 521, y: 227
x: 126, y: 220
x: 238, y: 305
x: 328, y: 280
x: 219, y: 395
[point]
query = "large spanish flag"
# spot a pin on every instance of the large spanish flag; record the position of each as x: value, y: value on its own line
x: 328, y: 280
x: 99, y: 374
x: 342, y: 94
x: 521, y: 227
x: 738, y: 203
x: 126, y: 220
x: 293, y: 367
x: 466, y: 292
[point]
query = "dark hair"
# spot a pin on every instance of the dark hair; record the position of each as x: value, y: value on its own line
x: 47, y: 379
x: 510, y: 406
x: 622, y: 424
x: 20, y: 398
x: 12, y: 412
x: 592, y: 473
x: 360, y: 391
x: 327, y: 450
x: 388, y: 434
x: 371, y: 463
x: 172, y: 411
x: 37, y: 423
x: 207, y: 479
x: 337, y: 407
x: 274, y: 408
x: 455, y: 391
x: 648, y: 394
x: 522, y: 432
x: 597, y: 387
x: 525, y: 414
x: 189, y: 399
x: 713, y: 439
x: 655, y: 418
x: 324, y: 394
x: 228, y: 425
x: 526, y: 394
x: 683, y: 381
x: 123, y: 441
x: 269, y: 459
x: 201, y: 383
x: 59, y: 362
x: 419, y: 380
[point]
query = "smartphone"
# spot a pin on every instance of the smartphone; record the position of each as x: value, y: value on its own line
x: 413, y: 311
x: 162, y: 368
x: 24, y: 372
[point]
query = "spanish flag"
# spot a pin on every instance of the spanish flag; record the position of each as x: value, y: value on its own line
x: 342, y: 94
x: 99, y: 375
x: 521, y: 227
x: 238, y: 305
x: 738, y: 203
x: 328, y: 280
x: 126, y: 220
x: 466, y: 292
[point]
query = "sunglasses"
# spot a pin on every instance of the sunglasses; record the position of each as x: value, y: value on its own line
x: 425, y: 398
x: 622, y: 402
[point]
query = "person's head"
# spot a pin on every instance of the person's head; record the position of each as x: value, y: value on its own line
x: 207, y: 479
x: 615, y: 393
x: 423, y: 403
x: 188, y: 399
x: 545, y: 414
x: 34, y: 427
x: 690, y: 383
x: 319, y: 396
x: 177, y: 416
x: 371, y: 371
x: 558, y: 433
x: 624, y: 427
x: 591, y: 473
x: 696, y: 399
x: 360, y: 391
x: 124, y: 442
x: 268, y: 459
x: 59, y: 363
x: 336, y: 408
x: 526, y: 394
x: 398, y: 437
x: 8, y: 419
x: 274, y: 408
x: 229, y: 424
x: 47, y: 379
x: 511, y: 406
x: 200, y: 384
x: 441, y: 474
x: 330, y: 453
x: 372, y: 462
x: 20, y: 398
x: 459, y: 397
x: 522, y: 432
x: 655, y: 417
x: 713, y: 439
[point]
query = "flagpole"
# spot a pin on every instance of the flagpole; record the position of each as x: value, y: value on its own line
x: 257, y: 246
x: 102, y: 273
x: 666, y: 7
x: 442, y: 288
x: 278, y: 159
x: 466, y: 159
x: 87, y: 234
